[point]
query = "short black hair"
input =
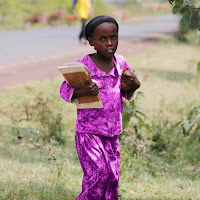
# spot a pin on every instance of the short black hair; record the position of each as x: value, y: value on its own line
x: 93, y: 23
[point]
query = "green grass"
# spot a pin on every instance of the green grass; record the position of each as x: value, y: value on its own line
x: 32, y: 169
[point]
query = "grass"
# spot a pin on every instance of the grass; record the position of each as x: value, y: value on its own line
x: 171, y: 90
x: 31, y: 169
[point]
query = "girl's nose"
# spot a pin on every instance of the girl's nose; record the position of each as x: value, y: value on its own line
x: 109, y: 41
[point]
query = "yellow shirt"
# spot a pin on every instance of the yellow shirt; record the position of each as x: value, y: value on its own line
x: 83, y: 8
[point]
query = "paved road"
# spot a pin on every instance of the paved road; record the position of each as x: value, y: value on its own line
x: 16, y: 46
x: 35, y: 54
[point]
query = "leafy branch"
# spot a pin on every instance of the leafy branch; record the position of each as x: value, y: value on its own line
x: 186, y: 9
x: 192, y: 7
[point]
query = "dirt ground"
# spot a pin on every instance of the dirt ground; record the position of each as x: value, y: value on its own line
x: 46, y: 67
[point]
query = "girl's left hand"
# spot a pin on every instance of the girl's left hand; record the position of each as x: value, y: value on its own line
x: 131, y: 81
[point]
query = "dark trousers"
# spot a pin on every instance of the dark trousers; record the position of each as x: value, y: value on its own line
x: 82, y: 33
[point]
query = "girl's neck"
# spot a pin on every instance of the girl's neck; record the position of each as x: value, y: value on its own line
x: 104, y: 64
x: 100, y: 58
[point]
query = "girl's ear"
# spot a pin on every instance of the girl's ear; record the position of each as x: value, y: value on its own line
x: 90, y: 40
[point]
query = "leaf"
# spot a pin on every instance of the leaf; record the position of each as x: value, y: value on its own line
x: 125, y: 120
x: 197, y: 109
x: 187, y: 126
x: 136, y: 120
x: 193, y: 112
x: 141, y: 113
x: 176, y: 9
x: 140, y: 93
x: 132, y: 103
x: 186, y: 19
x: 196, y: 133
x: 126, y: 109
x: 183, y: 9
x: 179, y: 2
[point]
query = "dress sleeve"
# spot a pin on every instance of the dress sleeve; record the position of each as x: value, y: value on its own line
x: 66, y: 92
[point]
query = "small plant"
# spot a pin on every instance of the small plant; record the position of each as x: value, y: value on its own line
x: 190, y: 125
x: 38, y: 121
x: 163, y: 137
x: 133, y: 114
x: 50, y: 122
x: 56, y: 164
x: 133, y: 119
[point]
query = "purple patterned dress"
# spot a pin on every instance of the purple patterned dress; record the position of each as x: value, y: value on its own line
x: 96, y: 132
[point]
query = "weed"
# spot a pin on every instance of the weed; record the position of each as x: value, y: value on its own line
x: 190, y: 125
x: 47, y: 121
x: 133, y: 120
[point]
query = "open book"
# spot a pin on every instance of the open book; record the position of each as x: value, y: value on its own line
x: 75, y: 75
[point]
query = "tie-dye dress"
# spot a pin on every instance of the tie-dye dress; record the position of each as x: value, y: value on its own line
x: 96, y: 132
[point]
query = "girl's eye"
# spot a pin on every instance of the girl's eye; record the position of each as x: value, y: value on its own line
x: 102, y: 39
x: 114, y: 37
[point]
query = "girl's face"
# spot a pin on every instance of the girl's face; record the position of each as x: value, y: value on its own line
x: 105, y: 39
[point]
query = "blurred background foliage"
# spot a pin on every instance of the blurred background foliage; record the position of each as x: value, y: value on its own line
x: 13, y: 14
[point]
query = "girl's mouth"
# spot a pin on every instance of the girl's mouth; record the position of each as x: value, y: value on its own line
x: 110, y: 50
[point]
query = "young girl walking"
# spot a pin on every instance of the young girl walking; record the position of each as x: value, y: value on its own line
x: 97, y: 129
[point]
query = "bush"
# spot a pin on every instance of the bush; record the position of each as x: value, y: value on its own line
x: 41, y: 122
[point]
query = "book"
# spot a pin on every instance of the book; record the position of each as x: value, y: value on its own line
x: 75, y: 75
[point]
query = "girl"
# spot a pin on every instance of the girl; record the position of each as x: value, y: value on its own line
x: 97, y: 129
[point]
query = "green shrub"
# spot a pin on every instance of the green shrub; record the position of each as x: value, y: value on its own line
x: 163, y: 136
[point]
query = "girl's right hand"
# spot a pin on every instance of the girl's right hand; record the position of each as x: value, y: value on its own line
x: 89, y: 89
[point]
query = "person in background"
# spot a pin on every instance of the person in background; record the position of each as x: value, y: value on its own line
x: 85, y: 11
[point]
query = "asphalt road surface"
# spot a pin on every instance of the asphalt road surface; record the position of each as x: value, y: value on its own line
x: 36, y: 49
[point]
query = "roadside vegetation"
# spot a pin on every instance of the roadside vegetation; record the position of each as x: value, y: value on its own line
x: 14, y: 14
x: 159, y: 145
